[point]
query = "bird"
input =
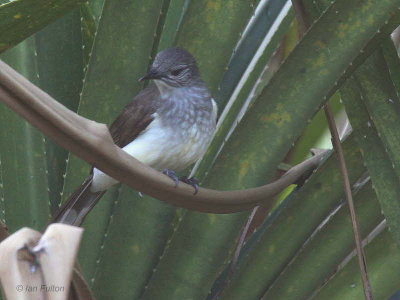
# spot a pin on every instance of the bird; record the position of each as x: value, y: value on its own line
x: 167, y: 126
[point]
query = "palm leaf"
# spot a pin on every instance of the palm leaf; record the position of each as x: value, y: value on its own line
x: 137, y: 247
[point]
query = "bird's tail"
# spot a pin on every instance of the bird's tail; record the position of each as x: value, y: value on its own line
x: 78, y: 205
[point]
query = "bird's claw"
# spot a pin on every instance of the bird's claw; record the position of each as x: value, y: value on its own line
x: 171, y: 174
x: 193, y: 182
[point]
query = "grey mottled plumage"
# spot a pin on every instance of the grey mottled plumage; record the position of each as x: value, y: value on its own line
x: 168, y: 125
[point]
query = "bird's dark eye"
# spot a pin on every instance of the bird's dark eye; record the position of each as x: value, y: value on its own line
x: 177, y: 71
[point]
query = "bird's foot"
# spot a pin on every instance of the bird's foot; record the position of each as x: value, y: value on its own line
x: 171, y: 174
x: 193, y: 182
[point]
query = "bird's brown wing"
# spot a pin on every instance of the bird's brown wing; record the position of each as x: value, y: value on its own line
x: 133, y: 120
x: 135, y: 117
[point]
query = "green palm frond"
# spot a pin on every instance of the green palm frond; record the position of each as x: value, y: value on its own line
x: 270, y: 84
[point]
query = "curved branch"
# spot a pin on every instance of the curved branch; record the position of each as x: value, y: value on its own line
x: 92, y: 142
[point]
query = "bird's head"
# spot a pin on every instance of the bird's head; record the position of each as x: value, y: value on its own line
x: 174, y: 67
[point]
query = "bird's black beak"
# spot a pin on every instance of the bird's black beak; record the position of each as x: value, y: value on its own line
x: 150, y: 75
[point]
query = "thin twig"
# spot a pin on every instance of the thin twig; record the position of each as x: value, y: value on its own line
x: 347, y: 189
x: 79, y: 287
x: 240, y: 243
x: 243, y: 234
x: 301, y: 17
x: 304, y: 24
x: 238, y: 250
x: 3, y: 231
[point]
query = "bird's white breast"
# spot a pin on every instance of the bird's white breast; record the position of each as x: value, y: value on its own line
x: 163, y: 146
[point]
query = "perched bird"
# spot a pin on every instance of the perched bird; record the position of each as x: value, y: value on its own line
x: 167, y: 126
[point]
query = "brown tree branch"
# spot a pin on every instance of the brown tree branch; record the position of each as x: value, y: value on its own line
x: 92, y: 142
